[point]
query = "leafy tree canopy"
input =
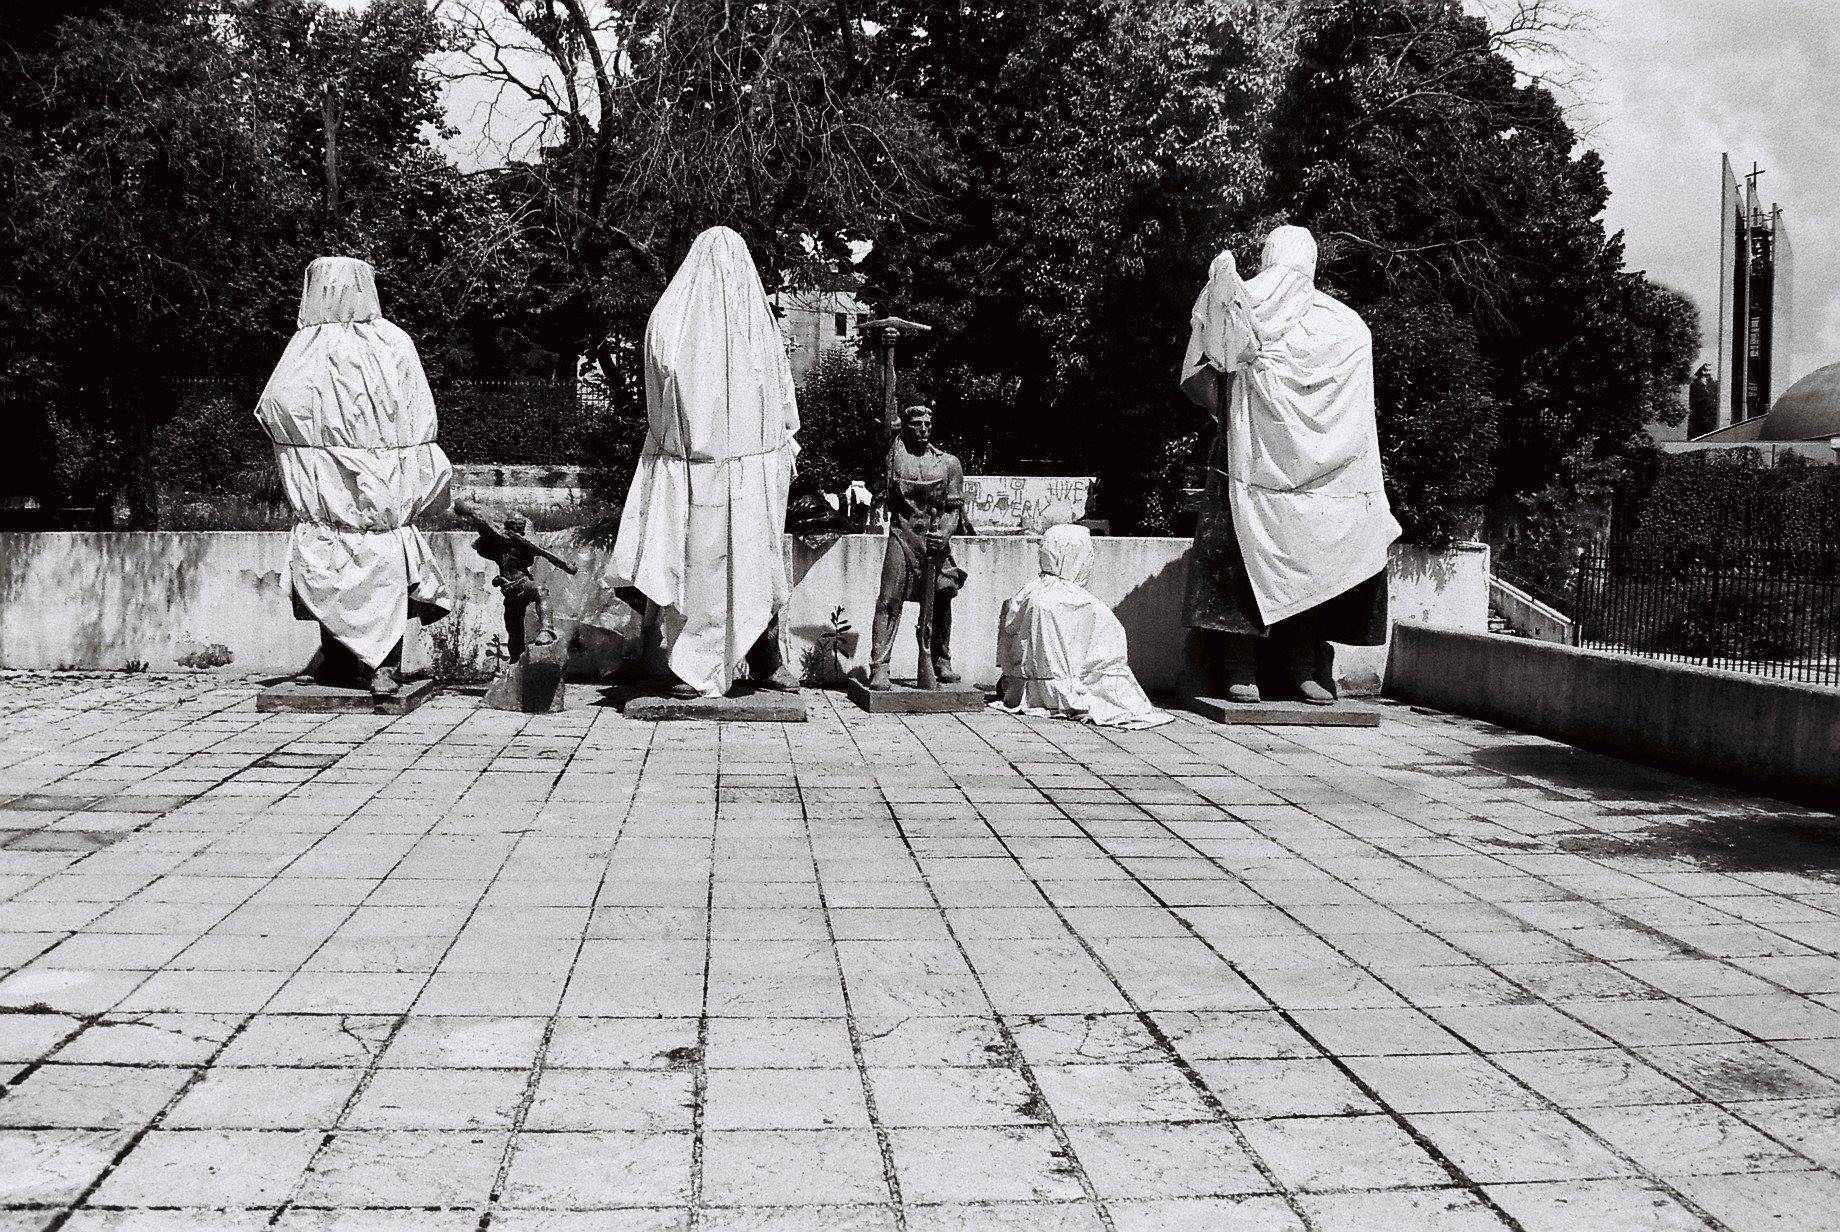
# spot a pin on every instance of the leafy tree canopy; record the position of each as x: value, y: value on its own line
x: 166, y: 170
x: 1443, y: 185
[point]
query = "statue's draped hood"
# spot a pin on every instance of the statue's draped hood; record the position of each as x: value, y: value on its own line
x: 338, y: 289
x: 1067, y: 552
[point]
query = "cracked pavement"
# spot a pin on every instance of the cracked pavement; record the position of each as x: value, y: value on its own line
x: 474, y: 970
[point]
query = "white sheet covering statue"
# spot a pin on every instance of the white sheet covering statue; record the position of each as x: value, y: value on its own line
x: 1062, y: 652
x: 1295, y: 528
x: 353, y: 423
x: 702, y: 533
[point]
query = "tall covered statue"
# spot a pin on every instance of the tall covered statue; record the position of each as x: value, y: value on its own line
x: 353, y: 423
x: 1294, y: 533
x: 703, y: 528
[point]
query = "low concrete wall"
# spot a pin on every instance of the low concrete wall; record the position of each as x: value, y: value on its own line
x: 1762, y: 735
x: 99, y: 601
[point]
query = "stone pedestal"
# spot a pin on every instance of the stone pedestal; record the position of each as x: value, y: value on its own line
x: 534, y: 684
x: 1283, y: 714
x: 904, y: 698
x: 764, y: 706
x: 290, y: 695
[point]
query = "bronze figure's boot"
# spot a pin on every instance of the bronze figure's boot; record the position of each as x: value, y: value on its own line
x: 942, y: 642
x: 767, y: 663
x: 881, y: 648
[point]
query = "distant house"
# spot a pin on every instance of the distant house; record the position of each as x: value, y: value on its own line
x: 820, y: 318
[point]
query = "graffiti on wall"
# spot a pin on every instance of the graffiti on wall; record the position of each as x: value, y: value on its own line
x: 1024, y: 504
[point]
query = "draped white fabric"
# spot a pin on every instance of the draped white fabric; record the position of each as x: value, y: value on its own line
x: 1062, y: 652
x: 702, y: 530
x: 353, y: 422
x: 1309, y: 508
x: 1219, y: 333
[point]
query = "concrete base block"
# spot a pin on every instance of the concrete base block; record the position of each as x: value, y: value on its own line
x: 1283, y: 714
x: 291, y: 696
x: 532, y: 685
x: 765, y: 706
x: 904, y: 698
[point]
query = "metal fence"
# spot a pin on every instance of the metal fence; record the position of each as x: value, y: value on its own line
x: 1767, y: 609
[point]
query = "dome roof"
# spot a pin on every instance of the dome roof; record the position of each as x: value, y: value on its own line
x: 1808, y: 410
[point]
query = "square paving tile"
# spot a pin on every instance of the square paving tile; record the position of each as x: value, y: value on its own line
x: 568, y: 1171
x: 1165, y: 1161
x: 1011, y: 1163
x: 404, y: 1167
x: 793, y: 1167
x: 1569, y: 1206
x: 1492, y: 1147
x: 785, y: 1099
x: 457, y: 1099
x: 920, y: 1098
x: 90, y: 1096
x: 1424, y: 1210
x: 1257, y: 1214
x: 54, y: 1165
x: 209, y: 1167
x: 1280, y: 1088
x: 1360, y: 1152
x: 647, y: 1101
x: 265, y: 1099
x: 1093, y: 1094
x: 1801, y: 1200
x: 1671, y: 1140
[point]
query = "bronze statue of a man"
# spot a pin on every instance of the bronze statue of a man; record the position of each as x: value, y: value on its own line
x: 925, y: 497
x: 511, y: 550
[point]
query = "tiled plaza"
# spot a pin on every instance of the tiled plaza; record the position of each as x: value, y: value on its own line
x: 571, y: 973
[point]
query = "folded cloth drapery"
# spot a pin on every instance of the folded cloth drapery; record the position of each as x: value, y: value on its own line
x: 1303, y: 481
x: 353, y: 424
x: 1062, y: 652
x: 702, y: 531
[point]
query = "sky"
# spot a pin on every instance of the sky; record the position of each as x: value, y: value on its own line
x: 1664, y: 87
x: 1667, y: 86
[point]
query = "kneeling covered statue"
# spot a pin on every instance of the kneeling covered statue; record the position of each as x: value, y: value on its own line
x: 353, y: 424
x: 1292, y: 543
x: 1062, y: 651
x: 925, y: 501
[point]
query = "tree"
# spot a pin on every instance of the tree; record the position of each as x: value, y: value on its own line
x: 841, y: 437
x: 1437, y: 422
x: 634, y: 127
x: 163, y: 168
x: 1440, y: 180
x: 1099, y: 156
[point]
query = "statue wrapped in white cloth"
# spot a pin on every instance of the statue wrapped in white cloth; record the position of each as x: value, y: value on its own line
x: 1295, y: 530
x: 702, y: 532
x: 1061, y: 651
x: 353, y: 424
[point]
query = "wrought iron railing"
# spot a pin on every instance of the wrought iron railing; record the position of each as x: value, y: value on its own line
x: 1767, y: 609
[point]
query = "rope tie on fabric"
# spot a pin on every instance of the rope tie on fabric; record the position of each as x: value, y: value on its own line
x: 351, y: 448
x: 737, y: 457
x: 354, y: 530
